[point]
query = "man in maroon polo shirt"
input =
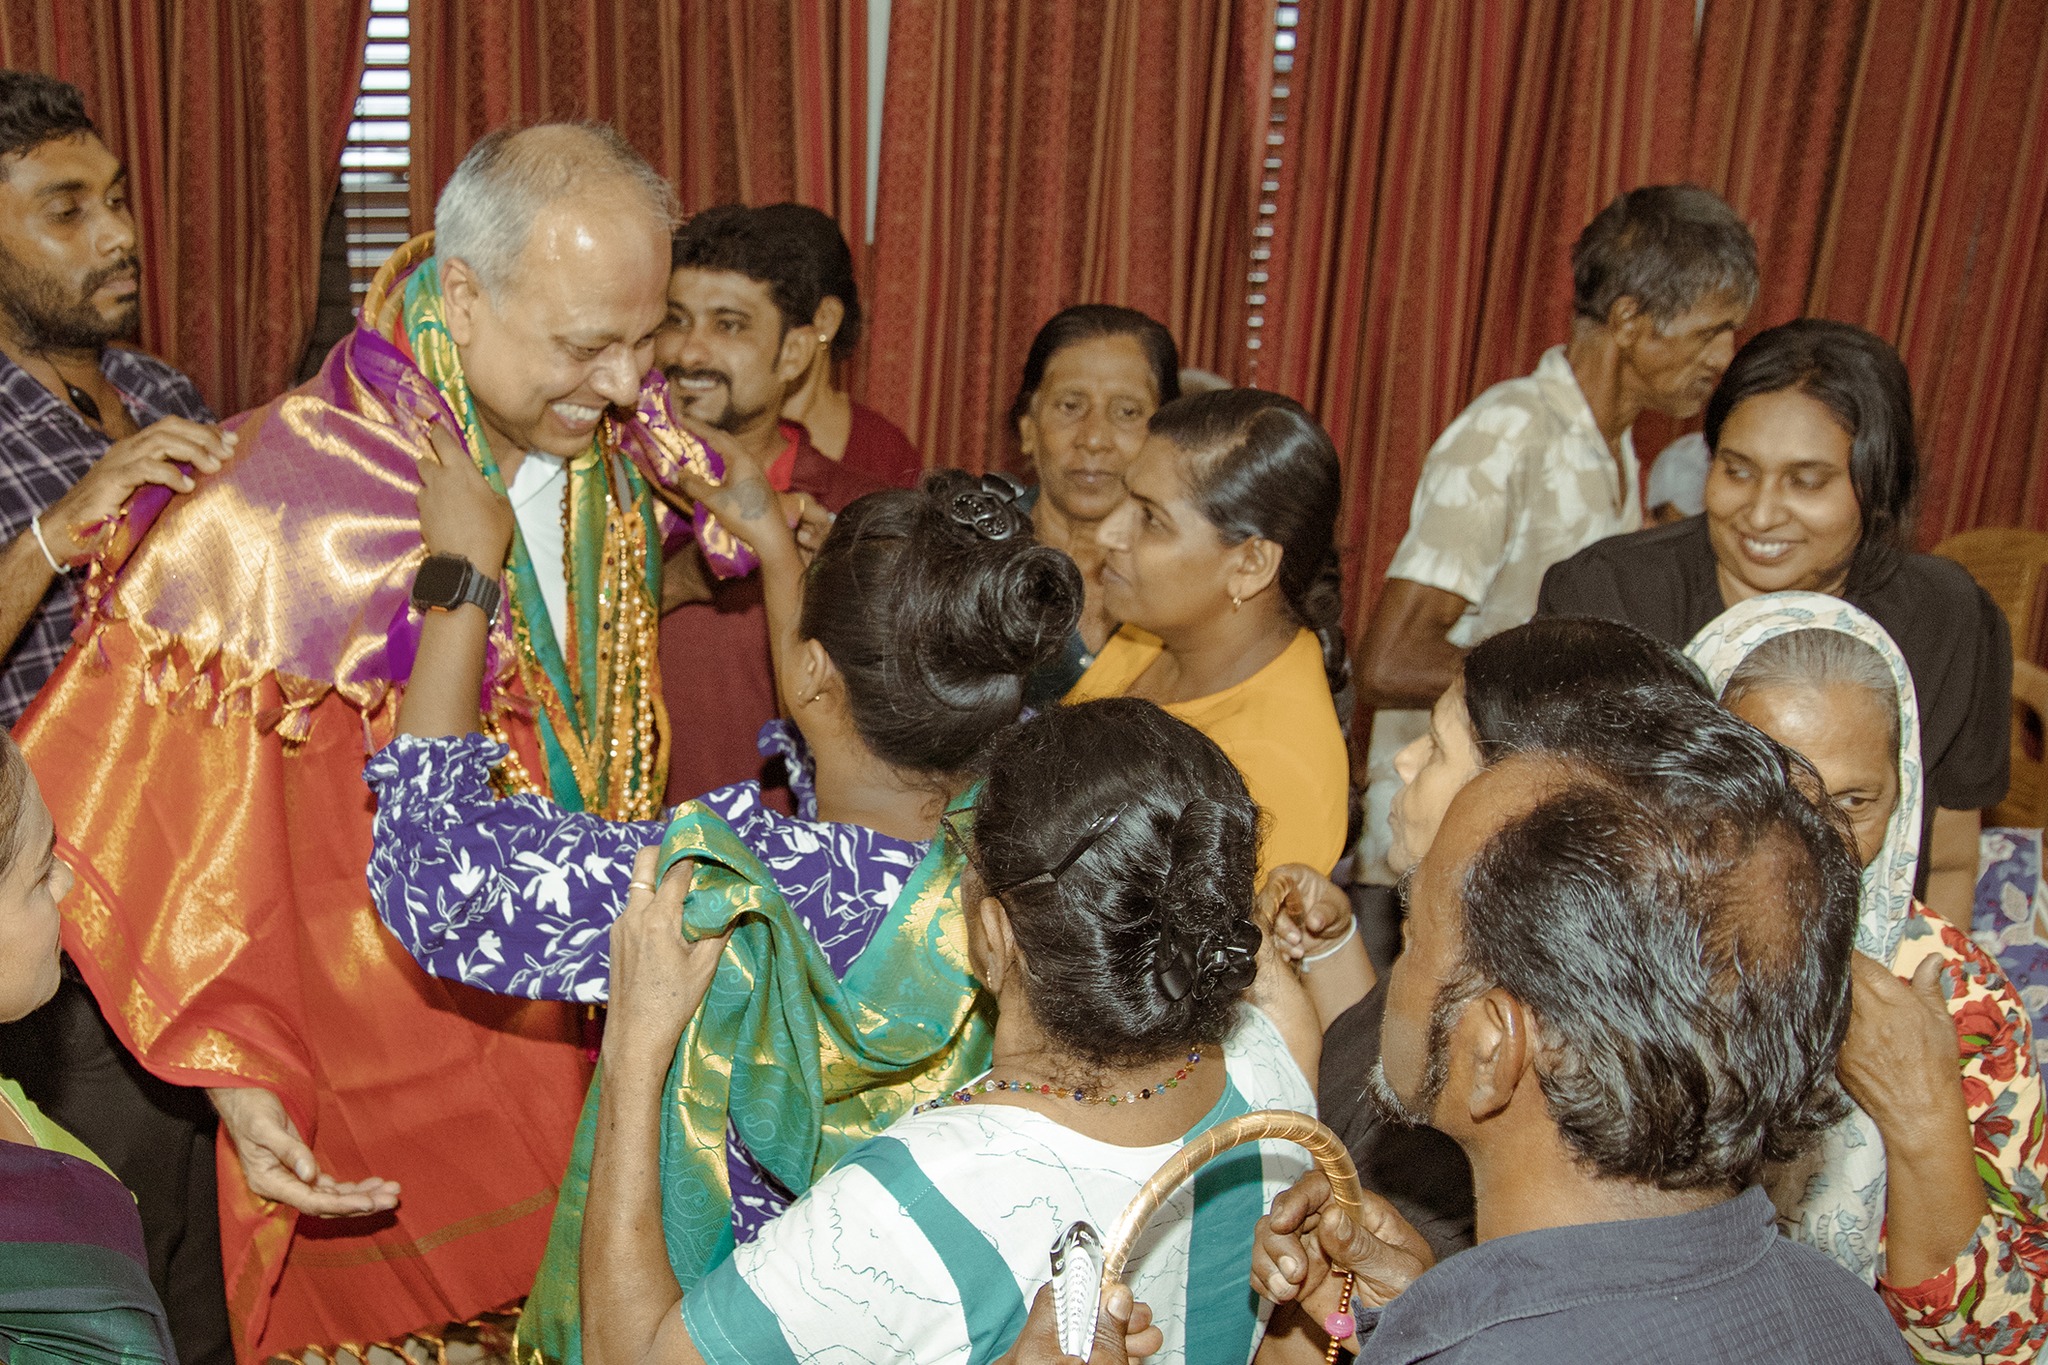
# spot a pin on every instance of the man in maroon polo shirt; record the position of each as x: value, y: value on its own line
x: 737, y: 341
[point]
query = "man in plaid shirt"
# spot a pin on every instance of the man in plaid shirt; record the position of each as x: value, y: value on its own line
x: 83, y: 424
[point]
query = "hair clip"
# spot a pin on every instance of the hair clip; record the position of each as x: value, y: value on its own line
x: 1174, y: 964
x: 1222, y: 965
x: 989, y: 509
x: 1099, y: 826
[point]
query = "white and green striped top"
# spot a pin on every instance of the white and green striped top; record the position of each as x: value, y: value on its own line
x: 928, y: 1243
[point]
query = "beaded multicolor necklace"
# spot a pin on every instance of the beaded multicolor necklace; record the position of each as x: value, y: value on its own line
x: 990, y: 1087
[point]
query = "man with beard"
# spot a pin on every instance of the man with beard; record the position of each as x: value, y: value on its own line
x: 1623, y: 988
x: 742, y: 293
x: 83, y: 424
x: 391, y: 1143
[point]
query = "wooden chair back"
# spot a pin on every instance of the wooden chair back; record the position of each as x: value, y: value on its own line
x: 2008, y: 563
x: 2026, y: 800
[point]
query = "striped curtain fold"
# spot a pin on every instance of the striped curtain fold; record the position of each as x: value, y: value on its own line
x: 753, y: 103
x: 1037, y: 154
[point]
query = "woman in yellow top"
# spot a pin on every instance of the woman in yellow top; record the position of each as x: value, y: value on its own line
x: 1222, y: 567
x: 74, y: 1280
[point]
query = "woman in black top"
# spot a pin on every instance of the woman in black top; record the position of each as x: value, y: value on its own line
x: 1812, y: 488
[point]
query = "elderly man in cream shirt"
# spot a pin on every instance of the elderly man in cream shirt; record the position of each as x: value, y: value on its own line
x: 1539, y: 467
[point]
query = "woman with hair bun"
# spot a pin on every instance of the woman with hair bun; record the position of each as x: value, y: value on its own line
x: 900, y: 651
x: 1223, y: 568
x: 1110, y: 857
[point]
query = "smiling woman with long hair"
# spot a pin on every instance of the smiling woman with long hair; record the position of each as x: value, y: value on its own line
x: 1812, y: 488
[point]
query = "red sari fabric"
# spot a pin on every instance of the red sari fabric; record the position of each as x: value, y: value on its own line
x: 202, y: 752
x: 222, y: 918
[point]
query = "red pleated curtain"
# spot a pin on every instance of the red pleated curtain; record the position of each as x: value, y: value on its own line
x: 231, y: 118
x: 1442, y: 159
x: 1893, y: 157
x: 1036, y: 154
x: 757, y: 102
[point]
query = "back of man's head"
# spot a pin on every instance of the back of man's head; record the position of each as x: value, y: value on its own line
x: 815, y: 234
x: 1668, y: 247
x: 1564, y: 683
x: 35, y: 109
x: 487, y: 210
x: 1680, y: 924
x: 766, y: 246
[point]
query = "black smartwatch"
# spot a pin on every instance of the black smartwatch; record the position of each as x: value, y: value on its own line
x: 445, y: 582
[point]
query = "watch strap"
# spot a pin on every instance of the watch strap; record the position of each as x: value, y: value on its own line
x: 484, y: 592
x: 469, y: 586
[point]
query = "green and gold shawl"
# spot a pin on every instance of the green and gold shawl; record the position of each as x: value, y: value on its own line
x: 803, y: 1065
x: 597, y: 704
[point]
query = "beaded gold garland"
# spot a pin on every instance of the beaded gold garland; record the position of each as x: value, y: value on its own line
x: 991, y: 1086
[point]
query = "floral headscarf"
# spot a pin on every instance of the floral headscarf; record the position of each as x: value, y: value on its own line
x: 1842, y: 1209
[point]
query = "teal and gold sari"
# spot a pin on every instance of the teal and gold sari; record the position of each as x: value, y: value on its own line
x: 802, y: 1065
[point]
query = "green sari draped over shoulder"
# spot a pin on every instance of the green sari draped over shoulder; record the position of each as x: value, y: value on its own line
x: 803, y: 1066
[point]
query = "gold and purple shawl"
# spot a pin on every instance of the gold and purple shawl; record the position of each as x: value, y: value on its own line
x: 300, y: 569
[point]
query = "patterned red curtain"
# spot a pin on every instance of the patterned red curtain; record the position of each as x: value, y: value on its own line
x: 1037, y: 154
x: 231, y: 118
x: 754, y: 103
x: 1443, y: 158
x: 1892, y: 156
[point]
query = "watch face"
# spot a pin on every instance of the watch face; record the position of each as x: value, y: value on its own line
x: 439, y: 582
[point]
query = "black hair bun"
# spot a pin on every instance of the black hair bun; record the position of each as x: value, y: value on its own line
x: 1208, y: 945
x: 1006, y: 603
x: 934, y: 603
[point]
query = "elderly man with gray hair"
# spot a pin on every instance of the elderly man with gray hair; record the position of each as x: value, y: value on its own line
x: 391, y: 1143
x: 1539, y: 467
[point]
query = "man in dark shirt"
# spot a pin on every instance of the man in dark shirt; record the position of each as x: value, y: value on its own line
x: 83, y: 424
x: 1622, y: 992
x: 737, y: 341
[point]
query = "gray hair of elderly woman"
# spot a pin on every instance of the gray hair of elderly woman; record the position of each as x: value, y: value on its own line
x: 1814, y: 659
x: 485, y: 213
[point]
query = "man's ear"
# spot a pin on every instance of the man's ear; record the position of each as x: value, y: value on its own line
x: 829, y: 318
x: 1497, y: 1037
x: 793, y: 360
x: 1627, y: 322
x: 1255, y: 565
x: 462, y: 298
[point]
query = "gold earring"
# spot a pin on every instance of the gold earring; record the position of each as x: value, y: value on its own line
x: 1235, y: 602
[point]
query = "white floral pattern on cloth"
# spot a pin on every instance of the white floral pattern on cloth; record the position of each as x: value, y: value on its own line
x: 2009, y: 919
x: 1521, y: 479
x: 1842, y: 1211
x: 517, y: 896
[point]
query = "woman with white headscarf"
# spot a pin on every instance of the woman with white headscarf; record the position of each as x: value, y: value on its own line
x: 1933, y: 1187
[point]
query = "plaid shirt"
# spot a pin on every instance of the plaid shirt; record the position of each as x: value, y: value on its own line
x: 45, y: 448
